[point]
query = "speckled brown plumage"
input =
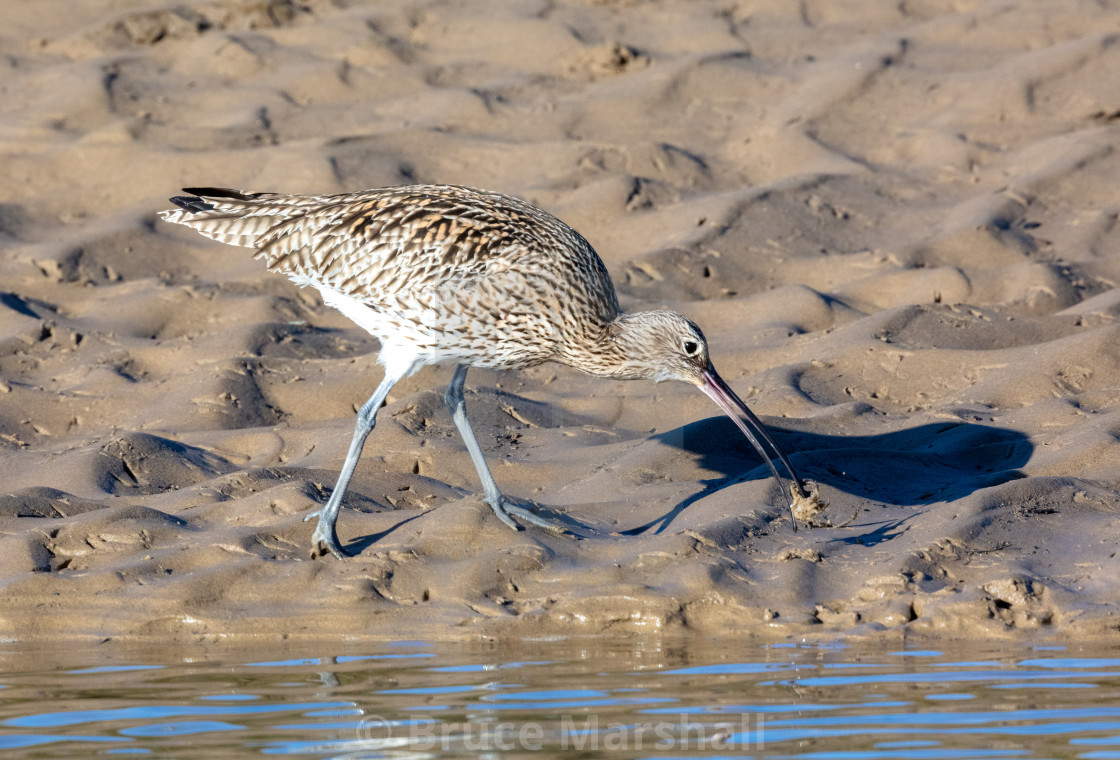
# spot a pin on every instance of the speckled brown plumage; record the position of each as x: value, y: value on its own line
x: 447, y: 274
x: 457, y: 272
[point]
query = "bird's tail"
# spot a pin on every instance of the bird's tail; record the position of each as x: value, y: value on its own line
x: 233, y: 217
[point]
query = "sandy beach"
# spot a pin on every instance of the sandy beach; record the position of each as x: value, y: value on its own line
x: 897, y: 224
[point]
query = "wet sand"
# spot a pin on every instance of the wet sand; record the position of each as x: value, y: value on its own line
x: 896, y: 223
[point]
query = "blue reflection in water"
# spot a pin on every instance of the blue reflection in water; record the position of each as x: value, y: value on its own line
x: 141, y: 712
x: 17, y: 741
x: 180, y: 728
x: 941, y: 677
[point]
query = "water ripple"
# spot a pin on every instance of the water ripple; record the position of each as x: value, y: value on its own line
x: 416, y: 701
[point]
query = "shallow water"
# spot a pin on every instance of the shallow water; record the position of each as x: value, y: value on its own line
x: 623, y: 699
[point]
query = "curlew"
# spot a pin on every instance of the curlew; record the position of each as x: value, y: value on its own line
x: 442, y: 274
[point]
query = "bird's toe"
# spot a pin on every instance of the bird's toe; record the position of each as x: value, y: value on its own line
x: 323, y: 541
x: 510, y: 510
x: 501, y: 508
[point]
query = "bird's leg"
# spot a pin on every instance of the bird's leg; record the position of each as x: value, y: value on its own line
x: 325, y: 535
x: 501, y: 506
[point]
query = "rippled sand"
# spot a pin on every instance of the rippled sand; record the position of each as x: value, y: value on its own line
x: 897, y: 224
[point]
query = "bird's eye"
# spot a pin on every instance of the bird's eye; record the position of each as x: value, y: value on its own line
x: 691, y: 347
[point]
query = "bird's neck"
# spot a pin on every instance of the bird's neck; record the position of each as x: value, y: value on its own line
x: 608, y: 349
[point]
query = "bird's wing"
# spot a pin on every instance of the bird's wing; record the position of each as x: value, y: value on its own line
x: 402, y: 240
x: 234, y: 217
x: 408, y: 244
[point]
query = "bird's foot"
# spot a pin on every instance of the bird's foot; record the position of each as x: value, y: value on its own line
x: 325, y: 539
x: 507, y: 510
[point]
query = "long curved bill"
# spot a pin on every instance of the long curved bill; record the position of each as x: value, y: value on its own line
x: 752, y: 428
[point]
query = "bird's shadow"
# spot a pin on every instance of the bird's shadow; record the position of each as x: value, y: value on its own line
x: 940, y: 461
x: 566, y: 525
x: 882, y: 531
x: 359, y: 545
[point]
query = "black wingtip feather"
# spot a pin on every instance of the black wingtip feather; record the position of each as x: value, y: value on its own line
x: 218, y: 192
x: 191, y: 203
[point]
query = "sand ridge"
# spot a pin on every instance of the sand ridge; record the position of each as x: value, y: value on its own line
x: 896, y: 223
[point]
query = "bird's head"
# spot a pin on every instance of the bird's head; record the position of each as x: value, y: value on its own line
x: 658, y: 346
x: 665, y: 345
